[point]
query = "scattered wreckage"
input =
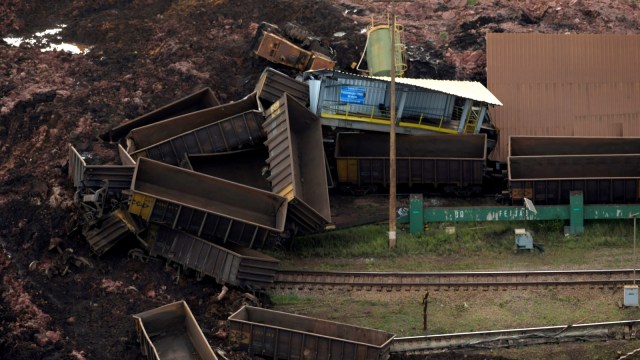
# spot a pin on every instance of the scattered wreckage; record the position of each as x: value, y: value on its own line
x: 177, y: 181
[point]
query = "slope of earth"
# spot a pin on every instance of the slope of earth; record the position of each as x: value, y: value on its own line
x: 141, y: 55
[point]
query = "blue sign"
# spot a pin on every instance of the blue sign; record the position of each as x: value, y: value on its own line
x: 352, y: 94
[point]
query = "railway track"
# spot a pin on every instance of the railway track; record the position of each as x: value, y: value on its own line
x: 408, y: 281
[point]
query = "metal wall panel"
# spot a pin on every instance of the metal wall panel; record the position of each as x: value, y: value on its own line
x: 564, y: 85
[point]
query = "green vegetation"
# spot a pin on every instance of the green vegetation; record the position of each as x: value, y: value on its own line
x: 473, y: 246
x: 487, y: 245
x: 444, y: 36
x: 472, y: 2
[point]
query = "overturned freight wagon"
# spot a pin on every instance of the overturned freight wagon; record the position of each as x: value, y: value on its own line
x: 149, y: 135
x: 208, y: 207
x: 450, y: 163
x: 227, y: 264
x: 297, y: 163
x: 273, y: 84
x: 229, y: 134
x: 171, y: 332
x: 282, y: 335
x: 546, y: 169
x: 199, y: 100
x: 92, y: 177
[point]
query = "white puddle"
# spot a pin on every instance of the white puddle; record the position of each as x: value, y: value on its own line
x: 45, y: 41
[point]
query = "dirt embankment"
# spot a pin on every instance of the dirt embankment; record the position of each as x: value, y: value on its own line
x: 141, y: 55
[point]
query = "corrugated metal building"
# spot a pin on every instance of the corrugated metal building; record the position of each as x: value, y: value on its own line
x: 564, y: 85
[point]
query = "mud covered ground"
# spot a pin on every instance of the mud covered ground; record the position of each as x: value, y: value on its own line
x: 57, y: 301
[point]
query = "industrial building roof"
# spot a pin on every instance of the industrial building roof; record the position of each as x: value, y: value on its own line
x: 564, y: 85
x: 465, y: 89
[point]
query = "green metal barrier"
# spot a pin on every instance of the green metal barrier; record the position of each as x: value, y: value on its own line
x: 576, y: 212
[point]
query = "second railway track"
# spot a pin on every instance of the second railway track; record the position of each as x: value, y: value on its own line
x: 416, y: 281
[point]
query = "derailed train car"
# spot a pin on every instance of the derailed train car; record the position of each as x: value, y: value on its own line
x: 297, y: 163
x: 171, y: 332
x: 199, y: 100
x: 546, y: 169
x: 228, y: 264
x: 454, y: 164
x: 152, y: 134
x: 281, y: 335
x: 232, y: 133
x: 208, y: 207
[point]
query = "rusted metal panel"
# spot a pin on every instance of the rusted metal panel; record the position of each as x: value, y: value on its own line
x: 564, y: 85
x: 282, y: 335
x: 93, y: 177
x: 107, y: 232
x: 297, y: 163
x: 208, y: 207
x: 171, y: 332
x: 273, y: 84
x: 546, y: 169
x: 363, y: 159
x: 572, y: 145
x: 232, y: 133
x: 145, y: 136
x: 227, y: 264
x: 199, y: 100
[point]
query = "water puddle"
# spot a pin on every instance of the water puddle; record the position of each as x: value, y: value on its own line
x: 48, y: 40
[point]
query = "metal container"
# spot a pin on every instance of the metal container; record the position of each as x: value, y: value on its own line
x: 280, y: 335
x: 246, y: 167
x: 145, y: 136
x: 546, y: 169
x: 572, y: 145
x: 232, y: 133
x: 452, y: 162
x: 208, y: 207
x: 297, y: 163
x: 93, y: 177
x: 171, y: 332
x: 273, y: 84
x: 199, y: 100
x: 380, y: 52
x: 108, y: 231
x: 227, y: 264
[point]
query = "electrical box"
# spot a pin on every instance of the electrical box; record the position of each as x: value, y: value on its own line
x: 631, y: 295
x: 524, y: 240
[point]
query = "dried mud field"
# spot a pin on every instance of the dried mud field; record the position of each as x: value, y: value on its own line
x: 57, y: 300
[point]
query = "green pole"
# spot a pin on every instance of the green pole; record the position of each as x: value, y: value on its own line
x: 416, y: 214
x: 576, y: 213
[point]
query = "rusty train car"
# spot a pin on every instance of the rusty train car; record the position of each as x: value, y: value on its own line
x: 208, y: 207
x: 228, y: 264
x: 171, y: 332
x: 454, y: 164
x: 297, y: 163
x: 546, y: 169
x: 281, y: 335
x: 199, y: 100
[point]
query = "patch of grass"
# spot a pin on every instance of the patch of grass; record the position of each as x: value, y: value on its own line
x: 444, y: 36
x: 472, y: 2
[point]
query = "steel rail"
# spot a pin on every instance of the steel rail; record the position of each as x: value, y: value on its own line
x: 420, y: 345
x: 369, y: 281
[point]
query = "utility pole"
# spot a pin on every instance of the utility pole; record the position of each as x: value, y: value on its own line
x: 392, y: 134
x: 392, y: 128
